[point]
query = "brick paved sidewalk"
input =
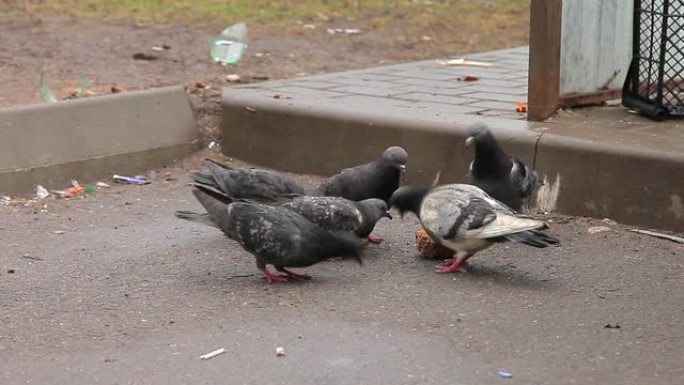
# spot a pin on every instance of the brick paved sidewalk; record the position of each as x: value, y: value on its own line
x: 426, y: 84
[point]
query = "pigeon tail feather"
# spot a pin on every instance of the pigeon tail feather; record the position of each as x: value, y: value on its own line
x: 534, y: 238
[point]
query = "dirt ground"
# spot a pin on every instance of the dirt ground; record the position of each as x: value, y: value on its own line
x: 69, y: 46
x: 111, y: 288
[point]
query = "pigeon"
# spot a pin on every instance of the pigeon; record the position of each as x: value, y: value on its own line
x: 377, y: 179
x: 337, y: 214
x: 274, y: 235
x: 333, y: 214
x: 466, y: 219
x: 505, y: 178
x: 259, y: 185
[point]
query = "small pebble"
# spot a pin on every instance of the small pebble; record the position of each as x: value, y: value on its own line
x: 232, y: 78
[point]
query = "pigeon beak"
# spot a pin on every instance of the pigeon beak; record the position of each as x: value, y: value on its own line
x: 402, y: 168
x: 388, y: 215
x: 469, y: 140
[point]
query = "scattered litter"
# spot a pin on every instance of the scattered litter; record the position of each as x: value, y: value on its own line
x: 609, y: 221
x: 131, y: 179
x: 144, y: 56
x: 212, y: 354
x: 71, y: 192
x: 656, y: 234
x: 212, y: 144
x: 200, y: 85
x: 250, y: 109
x: 160, y: 48
x: 229, y: 45
x: 58, y: 232
x: 74, y: 183
x: 26, y: 256
x: 348, y: 31
x: 5, y: 200
x: 505, y: 374
x: 609, y: 326
x: 598, y: 229
x: 89, y: 190
x: 425, y: 38
x: 464, y: 62
x: 11, y: 271
x: 42, y: 192
x: 117, y: 90
x: 280, y: 351
x: 520, y: 107
x: 260, y: 77
x: 468, y: 78
x: 102, y: 185
x: 232, y: 78
x: 48, y: 96
x: 309, y: 26
x: 278, y: 96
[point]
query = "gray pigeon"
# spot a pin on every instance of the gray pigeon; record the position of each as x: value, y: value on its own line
x: 333, y: 214
x: 259, y: 185
x: 377, y: 179
x: 274, y: 235
x: 465, y: 219
x: 339, y: 215
x: 505, y: 178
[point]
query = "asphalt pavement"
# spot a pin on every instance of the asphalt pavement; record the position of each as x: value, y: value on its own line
x: 111, y: 288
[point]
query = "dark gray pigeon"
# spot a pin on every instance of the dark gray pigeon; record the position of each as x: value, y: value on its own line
x: 465, y: 219
x: 333, y: 214
x: 377, y: 179
x: 505, y: 178
x: 256, y: 184
x: 274, y: 235
x: 338, y: 214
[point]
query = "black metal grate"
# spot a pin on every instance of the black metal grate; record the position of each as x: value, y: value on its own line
x: 655, y: 81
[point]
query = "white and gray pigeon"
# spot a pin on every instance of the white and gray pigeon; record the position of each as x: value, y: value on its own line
x: 274, y: 235
x: 257, y: 184
x: 465, y: 219
x: 505, y: 178
x: 377, y: 179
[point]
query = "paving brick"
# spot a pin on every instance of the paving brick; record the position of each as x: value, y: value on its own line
x: 497, y: 90
x: 457, y: 89
x: 420, y: 82
x: 368, y: 91
x: 493, y: 105
x: 419, y: 96
x: 317, y: 84
x: 419, y: 74
x: 496, y: 97
x: 303, y: 91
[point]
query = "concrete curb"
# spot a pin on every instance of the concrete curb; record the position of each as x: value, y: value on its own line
x: 92, y: 138
x: 633, y: 186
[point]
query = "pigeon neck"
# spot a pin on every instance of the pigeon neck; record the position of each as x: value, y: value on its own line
x: 415, y: 199
x: 490, y: 158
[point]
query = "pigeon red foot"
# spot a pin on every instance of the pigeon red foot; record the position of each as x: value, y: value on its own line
x: 374, y: 239
x: 292, y: 274
x: 273, y: 277
x: 459, y: 265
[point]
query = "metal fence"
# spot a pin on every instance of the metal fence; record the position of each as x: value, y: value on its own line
x: 655, y: 81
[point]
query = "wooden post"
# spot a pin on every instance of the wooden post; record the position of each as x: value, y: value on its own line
x: 544, y: 73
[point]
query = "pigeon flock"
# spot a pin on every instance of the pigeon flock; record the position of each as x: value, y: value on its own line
x: 285, y: 224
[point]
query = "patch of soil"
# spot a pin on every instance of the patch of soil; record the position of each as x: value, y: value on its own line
x: 67, y: 47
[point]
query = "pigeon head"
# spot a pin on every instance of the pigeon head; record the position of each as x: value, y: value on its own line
x: 347, y: 246
x: 375, y: 209
x: 478, y: 132
x: 408, y: 198
x: 396, y: 156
